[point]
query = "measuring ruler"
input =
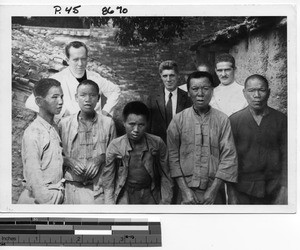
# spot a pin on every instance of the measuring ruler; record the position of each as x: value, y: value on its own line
x: 42, y: 231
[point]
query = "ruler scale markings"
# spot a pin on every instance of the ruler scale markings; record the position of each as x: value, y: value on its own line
x: 107, y: 241
x: 41, y: 231
x: 98, y: 239
x: 141, y: 239
x: 88, y: 240
x: 154, y: 239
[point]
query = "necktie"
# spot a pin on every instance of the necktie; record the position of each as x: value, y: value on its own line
x: 169, y: 112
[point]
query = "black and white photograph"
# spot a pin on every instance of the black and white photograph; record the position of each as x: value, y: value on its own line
x: 138, y: 131
x: 135, y: 109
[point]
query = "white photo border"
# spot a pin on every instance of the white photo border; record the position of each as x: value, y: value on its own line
x: 8, y: 11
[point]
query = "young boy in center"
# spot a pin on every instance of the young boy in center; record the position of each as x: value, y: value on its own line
x: 137, y: 170
x: 85, y: 137
x: 41, y: 148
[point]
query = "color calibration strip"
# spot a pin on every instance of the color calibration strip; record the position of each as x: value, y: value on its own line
x: 43, y: 231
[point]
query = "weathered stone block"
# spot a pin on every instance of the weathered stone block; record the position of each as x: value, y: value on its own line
x: 29, y: 54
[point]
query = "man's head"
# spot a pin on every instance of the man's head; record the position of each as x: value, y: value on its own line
x: 257, y: 92
x: 77, y: 55
x: 168, y: 71
x: 200, y: 89
x: 48, y: 95
x: 225, y: 68
x: 204, y: 67
x: 87, y: 96
x: 135, y: 118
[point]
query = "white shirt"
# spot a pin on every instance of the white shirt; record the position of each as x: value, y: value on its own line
x: 173, y: 98
x: 183, y: 87
x: 229, y: 98
x: 69, y: 85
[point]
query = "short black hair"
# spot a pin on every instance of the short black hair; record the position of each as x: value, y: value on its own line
x: 89, y: 82
x: 137, y: 108
x: 200, y: 74
x: 169, y: 64
x: 42, y: 87
x: 259, y: 77
x: 225, y: 57
x: 75, y: 44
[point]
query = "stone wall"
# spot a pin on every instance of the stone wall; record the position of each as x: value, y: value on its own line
x: 259, y: 46
x: 265, y: 53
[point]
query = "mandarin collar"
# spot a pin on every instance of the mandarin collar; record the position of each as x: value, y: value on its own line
x: 197, y: 113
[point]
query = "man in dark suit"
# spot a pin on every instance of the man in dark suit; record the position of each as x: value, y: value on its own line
x: 164, y: 103
x: 168, y: 100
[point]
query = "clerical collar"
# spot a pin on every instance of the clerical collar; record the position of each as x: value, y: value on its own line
x: 81, y: 79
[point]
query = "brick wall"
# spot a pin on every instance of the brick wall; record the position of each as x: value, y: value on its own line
x: 38, y: 52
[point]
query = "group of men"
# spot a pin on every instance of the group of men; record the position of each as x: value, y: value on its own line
x: 206, y: 145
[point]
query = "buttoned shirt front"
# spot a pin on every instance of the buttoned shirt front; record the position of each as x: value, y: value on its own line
x: 84, y: 146
x: 201, y: 149
x: 83, y: 149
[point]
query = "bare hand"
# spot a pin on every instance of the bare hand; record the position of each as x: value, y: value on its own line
x: 210, y: 196
x: 92, y: 170
x: 94, y: 166
x: 78, y: 167
x: 188, y: 197
x: 211, y: 193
